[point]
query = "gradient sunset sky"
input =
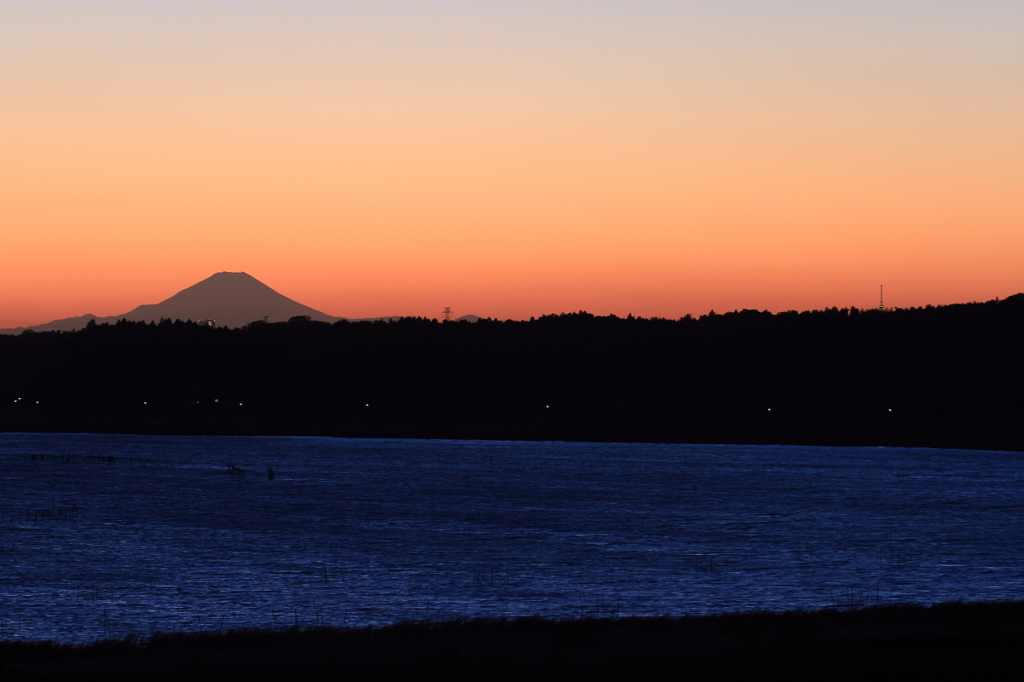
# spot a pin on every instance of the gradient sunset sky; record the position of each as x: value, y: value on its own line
x: 511, y: 159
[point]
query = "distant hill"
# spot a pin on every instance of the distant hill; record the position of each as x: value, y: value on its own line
x: 66, y: 324
x: 233, y: 299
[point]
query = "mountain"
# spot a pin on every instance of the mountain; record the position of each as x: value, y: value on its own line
x: 233, y: 299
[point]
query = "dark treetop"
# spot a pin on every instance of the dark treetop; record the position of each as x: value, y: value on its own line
x: 950, y: 375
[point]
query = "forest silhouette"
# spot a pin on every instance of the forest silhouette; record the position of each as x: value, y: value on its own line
x: 943, y: 376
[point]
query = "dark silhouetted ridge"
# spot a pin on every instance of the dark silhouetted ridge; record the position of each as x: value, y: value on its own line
x: 946, y: 376
x: 233, y: 299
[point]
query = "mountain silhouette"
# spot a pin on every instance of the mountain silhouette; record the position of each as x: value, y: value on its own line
x: 233, y: 299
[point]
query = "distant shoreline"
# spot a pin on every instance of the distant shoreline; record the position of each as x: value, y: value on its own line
x: 715, y: 434
x: 954, y: 641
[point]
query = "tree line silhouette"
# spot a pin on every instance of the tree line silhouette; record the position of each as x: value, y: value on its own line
x: 932, y: 375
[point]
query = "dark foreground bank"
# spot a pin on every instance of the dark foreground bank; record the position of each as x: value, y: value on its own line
x: 954, y: 641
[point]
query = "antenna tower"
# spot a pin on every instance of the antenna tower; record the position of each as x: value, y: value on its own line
x: 881, y: 297
x: 447, y: 313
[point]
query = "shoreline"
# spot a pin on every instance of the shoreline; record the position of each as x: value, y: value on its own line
x: 710, y: 434
x: 952, y: 640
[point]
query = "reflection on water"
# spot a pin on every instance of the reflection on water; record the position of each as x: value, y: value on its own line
x: 111, y: 535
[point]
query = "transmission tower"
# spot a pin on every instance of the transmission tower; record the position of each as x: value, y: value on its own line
x: 447, y: 313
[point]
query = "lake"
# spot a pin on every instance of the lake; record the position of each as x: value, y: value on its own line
x: 109, y: 535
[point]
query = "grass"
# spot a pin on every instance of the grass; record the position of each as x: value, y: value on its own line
x: 953, y: 641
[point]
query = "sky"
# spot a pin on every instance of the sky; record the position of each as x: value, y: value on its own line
x: 511, y: 158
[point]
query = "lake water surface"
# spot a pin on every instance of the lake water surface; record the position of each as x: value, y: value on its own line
x: 355, y: 532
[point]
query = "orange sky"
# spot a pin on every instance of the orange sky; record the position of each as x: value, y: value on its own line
x: 511, y: 159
